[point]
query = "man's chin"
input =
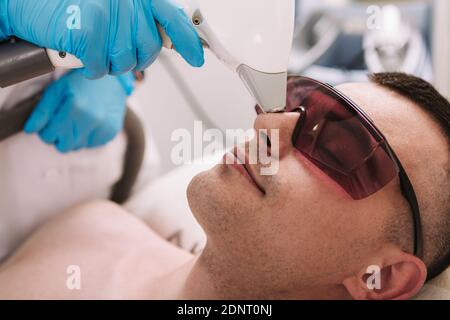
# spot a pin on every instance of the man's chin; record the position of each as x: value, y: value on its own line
x: 212, y: 196
x: 203, y: 191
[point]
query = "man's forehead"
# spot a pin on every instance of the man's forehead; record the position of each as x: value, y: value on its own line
x: 390, y: 111
x: 375, y: 100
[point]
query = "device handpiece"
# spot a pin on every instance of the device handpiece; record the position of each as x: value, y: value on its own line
x: 21, y: 60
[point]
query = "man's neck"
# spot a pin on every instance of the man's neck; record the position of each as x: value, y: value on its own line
x: 198, y: 280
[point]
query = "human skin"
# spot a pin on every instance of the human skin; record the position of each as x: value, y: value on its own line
x: 303, y: 237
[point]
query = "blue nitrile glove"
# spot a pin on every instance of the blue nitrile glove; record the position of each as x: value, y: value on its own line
x: 109, y: 36
x: 3, y: 21
x: 76, y: 113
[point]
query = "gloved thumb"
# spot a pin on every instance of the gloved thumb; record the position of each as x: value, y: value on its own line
x: 180, y: 30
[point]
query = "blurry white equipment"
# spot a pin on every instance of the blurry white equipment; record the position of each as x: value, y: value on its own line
x: 441, y: 48
x: 396, y: 46
x: 252, y: 37
x: 313, y: 39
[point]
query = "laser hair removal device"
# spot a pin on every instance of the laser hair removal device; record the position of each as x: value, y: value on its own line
x: 252, y: 37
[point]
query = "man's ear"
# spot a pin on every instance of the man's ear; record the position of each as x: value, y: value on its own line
x: 400, y: 276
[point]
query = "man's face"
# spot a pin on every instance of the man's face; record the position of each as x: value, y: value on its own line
x: 298, y: 225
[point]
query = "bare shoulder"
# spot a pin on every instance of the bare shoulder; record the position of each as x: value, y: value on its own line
x: 87, y: 223
x: 93, y: 236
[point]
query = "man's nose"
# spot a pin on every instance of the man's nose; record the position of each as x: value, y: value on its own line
x: 284, y: 123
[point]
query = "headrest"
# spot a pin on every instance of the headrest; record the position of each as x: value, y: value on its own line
x: 436, y: 289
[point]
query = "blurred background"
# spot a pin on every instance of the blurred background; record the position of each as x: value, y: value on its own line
x: 336, y: 41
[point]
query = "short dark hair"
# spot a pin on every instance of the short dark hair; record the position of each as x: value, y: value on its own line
x: 423, y: 94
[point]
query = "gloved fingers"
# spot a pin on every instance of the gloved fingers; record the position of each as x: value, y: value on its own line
x: 123, y: 49
x: 122, y: 61
x: 68, y: 141
x: 108, y: 130
x: 180, y: 30
x: 96, y: 65
x: 101, y: 136
x: 148, y: 40
x: 46, y: 108
x: 82, y: 131
x: 92, y: 44
x: 53, y: 133
x: 81, y: 143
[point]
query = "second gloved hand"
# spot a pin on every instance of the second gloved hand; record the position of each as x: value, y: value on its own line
x: 76, y: 113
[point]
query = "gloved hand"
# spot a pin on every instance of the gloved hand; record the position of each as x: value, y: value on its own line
x: 114, y: 36
x: 76, y: 113
x: 3, y: 21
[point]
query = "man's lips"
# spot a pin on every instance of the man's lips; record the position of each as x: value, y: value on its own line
x: 244, y: 168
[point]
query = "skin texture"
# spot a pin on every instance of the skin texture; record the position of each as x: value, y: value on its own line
x: 303, y: 237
